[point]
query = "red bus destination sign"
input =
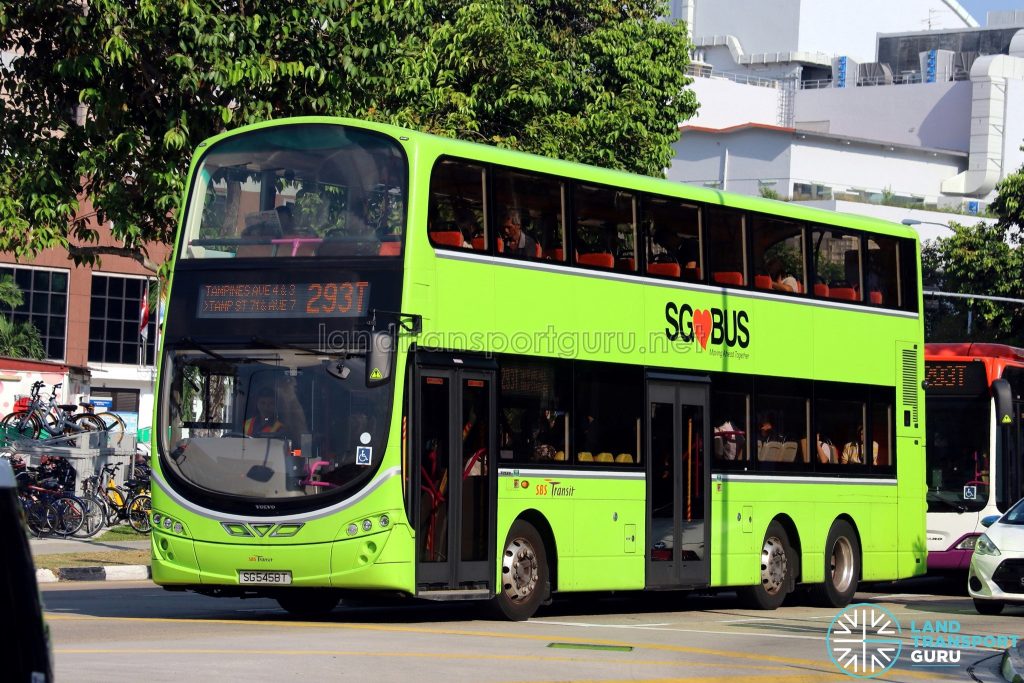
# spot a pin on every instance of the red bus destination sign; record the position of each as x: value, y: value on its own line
x: 291, y: 300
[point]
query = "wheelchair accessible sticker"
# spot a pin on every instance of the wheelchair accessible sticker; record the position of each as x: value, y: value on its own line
x: 364, y: 454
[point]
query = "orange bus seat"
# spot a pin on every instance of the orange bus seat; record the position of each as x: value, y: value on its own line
x: 448, y: 238
x: 845, y: 293
x: 626, y: 264
x: 479, y: 243
x: 667, y: 269
x: 762, y: 281
x: 820, y: 289
x: 875, y: 297
x: 557, y: 254
x: 599, y: 259
x: 728, y: 277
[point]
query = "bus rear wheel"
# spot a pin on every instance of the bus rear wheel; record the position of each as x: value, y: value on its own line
x: 842, y: 566
x: 308, y: 603
x: 524, y: 573
x: 778, y: 567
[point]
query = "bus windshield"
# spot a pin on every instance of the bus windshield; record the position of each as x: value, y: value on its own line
x: 305, y: 190
x: 957, y: 455
x: 262, y: 424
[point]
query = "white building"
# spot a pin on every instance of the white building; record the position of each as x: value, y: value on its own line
x: 843, y: 104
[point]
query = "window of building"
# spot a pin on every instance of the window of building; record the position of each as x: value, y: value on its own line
x: 457, y: 216
x: 608, y: 404
x: 114, y: 321
x: 44, y: 305
x: 836, y: 264
x: 528, y: 215
x: 673, y: 239
x: 727, y: 251
x: 778, y: 255
x: 536, y: 398
x: 604, y: 219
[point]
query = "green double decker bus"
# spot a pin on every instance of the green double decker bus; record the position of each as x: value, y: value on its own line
x: 395, y: 363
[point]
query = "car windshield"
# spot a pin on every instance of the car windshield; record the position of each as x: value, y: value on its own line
x: 957, y: 453
x: 1014, y: 515
x: 310, y: 190
x: 264, y: 424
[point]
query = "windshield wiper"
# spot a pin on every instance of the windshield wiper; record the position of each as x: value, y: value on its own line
x: 188, y: 342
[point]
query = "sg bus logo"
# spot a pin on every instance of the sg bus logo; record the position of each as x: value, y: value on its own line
x: 864, y: 640
x: 713, y: 325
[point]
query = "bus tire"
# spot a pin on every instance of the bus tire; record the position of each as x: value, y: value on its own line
x: 308, y: 603
x: 842, y: 566
x: 777, y: 569
x: 524, y: 573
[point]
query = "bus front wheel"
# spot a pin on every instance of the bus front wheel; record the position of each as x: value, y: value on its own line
x: 842, y: 566
x: 308, y: 603
x: 524, y: 573
x: 778, y: 567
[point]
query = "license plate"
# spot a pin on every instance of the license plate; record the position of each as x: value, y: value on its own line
x: 265, y: 578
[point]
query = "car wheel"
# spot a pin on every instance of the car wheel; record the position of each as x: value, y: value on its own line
x: 988, y: 607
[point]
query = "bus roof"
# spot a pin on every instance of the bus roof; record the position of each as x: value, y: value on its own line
x: 936, y: 351
x: 492, y: 154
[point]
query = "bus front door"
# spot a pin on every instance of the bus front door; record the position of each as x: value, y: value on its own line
x: 678, y: 485
x: 453, y: 482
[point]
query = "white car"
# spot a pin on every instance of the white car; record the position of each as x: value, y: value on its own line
x: 996, y: 576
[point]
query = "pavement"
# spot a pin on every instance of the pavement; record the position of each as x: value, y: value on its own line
x: 54, y: 546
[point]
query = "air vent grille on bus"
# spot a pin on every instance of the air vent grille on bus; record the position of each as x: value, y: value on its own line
x: 910, y: 383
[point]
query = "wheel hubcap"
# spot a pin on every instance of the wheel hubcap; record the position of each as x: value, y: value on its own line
x: 519, y: 570
x: 841, y: 564
x: 773, y: 565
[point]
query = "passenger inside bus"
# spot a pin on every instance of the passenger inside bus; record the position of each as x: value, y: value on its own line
x: 517, y: 242
x: 827, y: 453
x: 781, y: 280
x: 683, y: 248
x: 853, y: 451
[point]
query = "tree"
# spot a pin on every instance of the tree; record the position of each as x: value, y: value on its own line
x: 17, y: 339
x: 975, y: 259
x: 107, y: 99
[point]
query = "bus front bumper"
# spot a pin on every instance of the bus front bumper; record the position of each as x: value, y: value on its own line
x: 380, y: 561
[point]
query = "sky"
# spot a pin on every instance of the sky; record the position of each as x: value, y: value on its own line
x: 979, y: 8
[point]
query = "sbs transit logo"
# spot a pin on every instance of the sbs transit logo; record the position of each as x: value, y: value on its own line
x: 864, y: 640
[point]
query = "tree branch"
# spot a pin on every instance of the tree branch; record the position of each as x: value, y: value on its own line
x: 86, y: 253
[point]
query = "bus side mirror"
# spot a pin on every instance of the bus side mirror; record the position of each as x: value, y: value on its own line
x: 989, y: 520
x: 380, y: 357
x: 1003, y: 395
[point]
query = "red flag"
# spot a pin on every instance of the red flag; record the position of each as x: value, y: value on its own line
x: 144, y: 317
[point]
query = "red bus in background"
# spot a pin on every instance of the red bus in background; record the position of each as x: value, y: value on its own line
x: 974, y: 441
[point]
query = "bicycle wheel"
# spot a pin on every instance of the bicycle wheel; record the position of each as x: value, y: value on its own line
x: 88, y: 422
x: 113, y: 425
x: 21, y: 424
x: 95, y: 516
x: 115, y: 506
x: 138, y: 513
x: 66, y: 515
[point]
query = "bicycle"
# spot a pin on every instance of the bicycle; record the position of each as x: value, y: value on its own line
x: 48, y: 508
x: 130, y: 502
x: 56, y: 418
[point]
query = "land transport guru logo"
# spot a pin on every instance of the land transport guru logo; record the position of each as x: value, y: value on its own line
x: 865, y: 641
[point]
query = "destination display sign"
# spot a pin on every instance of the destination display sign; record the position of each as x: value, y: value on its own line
x: 951, y: 378
x: 340, y: 299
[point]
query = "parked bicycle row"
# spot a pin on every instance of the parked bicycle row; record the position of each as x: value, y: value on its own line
x: 52, y: 508
x: 35, y: 418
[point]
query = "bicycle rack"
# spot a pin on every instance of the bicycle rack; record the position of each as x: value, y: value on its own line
x: 86, y: 451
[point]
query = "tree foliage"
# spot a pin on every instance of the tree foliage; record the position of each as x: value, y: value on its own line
x: 106, y: 100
